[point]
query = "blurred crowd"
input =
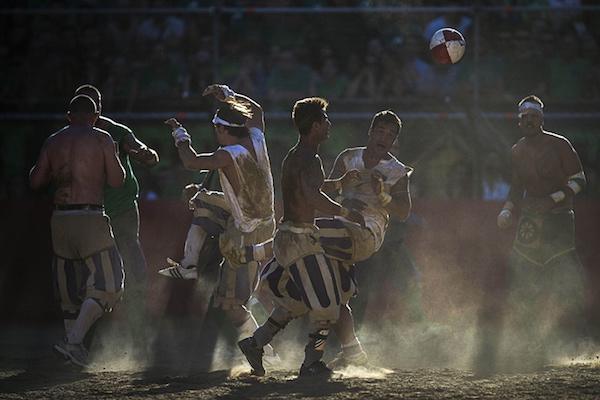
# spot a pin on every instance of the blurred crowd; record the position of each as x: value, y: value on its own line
x: 162, y: 61
x: 154, y: 61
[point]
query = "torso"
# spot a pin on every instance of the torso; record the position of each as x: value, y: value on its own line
x: 299, y: 162
x: 539, y: 166
x: 77, y: 165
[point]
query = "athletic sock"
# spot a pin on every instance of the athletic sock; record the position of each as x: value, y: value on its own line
x: 89, y: 313
x: 315, y: 347
x: 193, y: 245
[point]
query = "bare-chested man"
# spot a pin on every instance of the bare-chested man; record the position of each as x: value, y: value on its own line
x: 79, y: 160
x: 121, y: 205
x: 382, y: 188
x: 545, y: 269
x: 301, y: 279
x: 242, y: 216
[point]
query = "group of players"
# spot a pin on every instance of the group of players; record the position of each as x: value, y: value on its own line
x: 303, y: 265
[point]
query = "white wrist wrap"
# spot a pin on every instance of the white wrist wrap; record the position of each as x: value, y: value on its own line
x: 227, y: 93
x: 180, y: 135
x: 505, y: 213
x: 558, y: 196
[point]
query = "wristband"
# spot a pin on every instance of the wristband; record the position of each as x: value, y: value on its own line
x: 180, y: 135
x: 384, y: 198
x: 227, y: 93
x: 558, y: 196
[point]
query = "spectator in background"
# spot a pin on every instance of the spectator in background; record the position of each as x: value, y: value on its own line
x: 494, y: 186
x: 289, y: 78
x: 330, y: 81
x: 461, y: 23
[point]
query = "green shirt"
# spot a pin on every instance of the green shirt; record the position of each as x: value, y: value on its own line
x: 121, y: 199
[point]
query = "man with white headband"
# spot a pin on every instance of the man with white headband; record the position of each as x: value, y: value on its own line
x: 545, y: 269
x: 242, y: 216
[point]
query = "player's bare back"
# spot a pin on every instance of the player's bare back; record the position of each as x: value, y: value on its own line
x: 76, y: 162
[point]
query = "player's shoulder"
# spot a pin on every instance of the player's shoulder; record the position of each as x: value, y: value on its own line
x: 113, y: 127
x: 558, y: 139
x: 394, y: 161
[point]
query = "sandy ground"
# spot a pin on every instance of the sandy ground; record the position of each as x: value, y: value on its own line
x: 43, y: 382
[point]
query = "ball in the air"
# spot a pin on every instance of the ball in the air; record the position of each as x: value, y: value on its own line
x: 447, y: 46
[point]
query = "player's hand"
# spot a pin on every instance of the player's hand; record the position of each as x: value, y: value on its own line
x: 221, y: 92
x: 173, y: 123
x: 504, y: 219
x: 354, y: 204
x: 144, y: 155
x: 357, y: 217
x: 351, y: 178
x: 377, y: 182
x: 189, y: 191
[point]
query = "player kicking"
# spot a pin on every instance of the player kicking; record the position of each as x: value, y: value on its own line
x: 301, y: 279
x: 382, y: 188
x: 242, y: 215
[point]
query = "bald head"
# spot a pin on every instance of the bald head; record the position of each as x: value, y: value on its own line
x: 91, y: 91
x: 82, y: 109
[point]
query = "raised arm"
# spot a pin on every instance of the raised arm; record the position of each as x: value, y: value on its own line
x: 115, y: 174
x: 196, y: 161
x: 225, y: 94
x: 40, y: 175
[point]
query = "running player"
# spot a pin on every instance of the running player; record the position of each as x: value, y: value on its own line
x: 301, y: 279
x: 87, y: 270
x: 122, y: 207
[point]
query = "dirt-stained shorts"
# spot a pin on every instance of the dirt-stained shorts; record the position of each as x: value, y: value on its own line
x: 86, y: 261
x: 302, y: 279
x: 344, y: 240
x: 243, y: 252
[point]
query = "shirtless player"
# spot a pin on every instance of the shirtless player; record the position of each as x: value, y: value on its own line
x: 545, y: 269
x: 301, y: 279
x: 87, y: 270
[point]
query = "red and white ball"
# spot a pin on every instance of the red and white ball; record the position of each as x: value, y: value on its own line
x: 447, y: 46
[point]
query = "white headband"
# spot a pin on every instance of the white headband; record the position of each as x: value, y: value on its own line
x: 218, y: 121
x: 528, y: 105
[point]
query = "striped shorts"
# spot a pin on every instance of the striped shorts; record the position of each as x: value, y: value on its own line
x: 315, y: 284
x: 239, y: 272
x: 345, y: 241
x: 86, y: 261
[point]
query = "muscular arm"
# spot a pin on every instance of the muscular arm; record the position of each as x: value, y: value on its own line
x: 311, y: 180
x: 40, y: 175
x: 258, y: 118
x: 196, y: 162
x: 139, y: 151
x: 115, y: 174
x: 572, y: 167
x: 401, y: 203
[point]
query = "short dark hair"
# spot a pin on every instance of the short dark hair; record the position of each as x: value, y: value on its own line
x: 235, y: 115
x: 308, y: 111
x: 531, y: 99
x: 82, y: 104
x: 88, y: 89
x: 386, y: 117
